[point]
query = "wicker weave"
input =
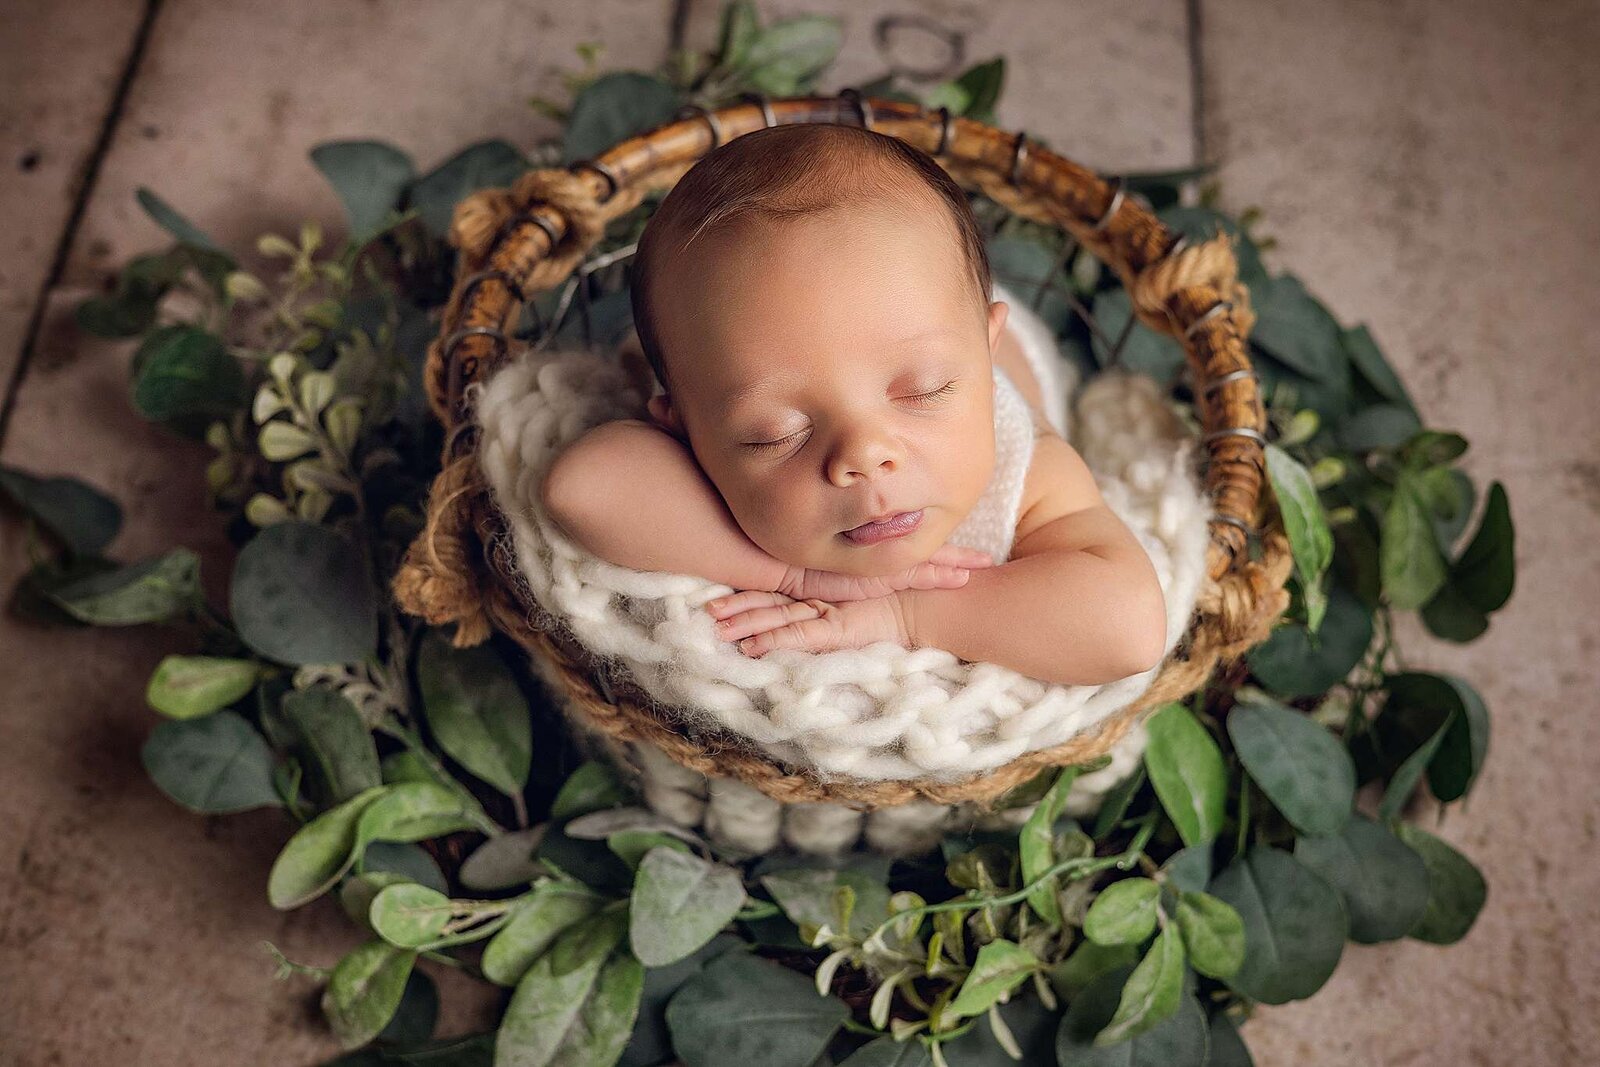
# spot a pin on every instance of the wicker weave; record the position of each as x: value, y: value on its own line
x: 515, y: 243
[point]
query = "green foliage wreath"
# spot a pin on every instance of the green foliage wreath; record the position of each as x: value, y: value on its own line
x: 430, y: 789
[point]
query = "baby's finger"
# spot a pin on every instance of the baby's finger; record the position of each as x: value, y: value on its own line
x: 760, y: 620
x: 818, y: 634
x: 934, y: 576
x: 961, y: 556
x: 723, y: 607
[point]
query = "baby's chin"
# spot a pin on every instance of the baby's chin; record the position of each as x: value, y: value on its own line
x: 893, y: 556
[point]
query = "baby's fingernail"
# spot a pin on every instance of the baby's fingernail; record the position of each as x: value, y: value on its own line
x: 714, y: 604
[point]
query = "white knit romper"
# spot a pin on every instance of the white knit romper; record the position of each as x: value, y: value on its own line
x: 991, y: 525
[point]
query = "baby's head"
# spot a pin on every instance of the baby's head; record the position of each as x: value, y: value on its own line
x: 815, y: 301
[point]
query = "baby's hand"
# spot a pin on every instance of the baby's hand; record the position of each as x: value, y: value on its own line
x: 761, y: 621
x: 947, y: 568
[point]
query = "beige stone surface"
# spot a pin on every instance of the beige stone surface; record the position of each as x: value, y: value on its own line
x: 51, y: 115
x: 1106, y: 83
x: 1425, y: 169
x: 1424, y: 166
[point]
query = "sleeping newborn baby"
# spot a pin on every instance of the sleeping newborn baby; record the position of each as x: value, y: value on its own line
x: 815, y: 303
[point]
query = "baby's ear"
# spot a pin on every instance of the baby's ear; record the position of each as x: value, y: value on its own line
x: 664, y: 415
x: 999, y: 310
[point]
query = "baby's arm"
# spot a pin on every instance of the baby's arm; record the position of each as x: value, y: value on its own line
x: 1078, y: 603
x: 635, y: 496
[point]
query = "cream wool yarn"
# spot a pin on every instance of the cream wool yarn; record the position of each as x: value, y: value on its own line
x: 882, y: 712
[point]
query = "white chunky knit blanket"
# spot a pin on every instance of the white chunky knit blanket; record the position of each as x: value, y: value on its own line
x: 881, y: 712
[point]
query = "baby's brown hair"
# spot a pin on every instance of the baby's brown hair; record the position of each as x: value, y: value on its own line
x: 788, y: 172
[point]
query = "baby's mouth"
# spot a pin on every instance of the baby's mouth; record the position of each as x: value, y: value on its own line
x: 899, y: 525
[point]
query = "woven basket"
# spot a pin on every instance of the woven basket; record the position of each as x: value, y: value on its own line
x: 518, y: 242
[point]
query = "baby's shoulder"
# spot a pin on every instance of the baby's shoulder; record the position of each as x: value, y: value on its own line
x: 1058, y: 482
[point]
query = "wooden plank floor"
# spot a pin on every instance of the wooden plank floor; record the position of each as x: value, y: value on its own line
x: 1422, y: 164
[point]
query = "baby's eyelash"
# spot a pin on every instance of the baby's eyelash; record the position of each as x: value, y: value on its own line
x: 765, y: 446
x: 949, y: 388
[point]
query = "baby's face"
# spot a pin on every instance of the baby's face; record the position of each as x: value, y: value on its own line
x: 830, y: 371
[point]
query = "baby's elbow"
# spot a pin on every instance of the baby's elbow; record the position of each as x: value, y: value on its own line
x: 569, y: 487
x: 1148, y: 637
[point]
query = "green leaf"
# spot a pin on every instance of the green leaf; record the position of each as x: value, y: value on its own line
x: 548, y: 911
x: 1186, y: 767
x: 187, y: 687
x: 786, y: 55
x: 1304, y: 521
x: 577, y: 1003
x: 680, y: 902
x: 887, y: 1052
x: 1448, y: 494
x: 1179, y: 1040
x: 476, y: 712
x: 154, y: 590
x: 738, y: 30
x: 974, y: 94
x: 364, y: 991
x: 1227, y: 1048
x: 1294, y: 662
x: 591, y: 787
x: 1368, y: 360
x: 1378, y: 426
x: 1212, y: 932
x: 1089, y: 961
x: 215, y: 765
x: 651, y: 1043
x: 1153, y: 992
x: 1304, y: 770
x: 1431, y: 448
x: 614, y: 107
x: 631, y: 845
x: 1410, y: 561
x: 1384, y: 883
x: 471, y: 1050
x: 504, y: 861
x: 806, y: 896
x: 1296, y: 329
x: 356, y: 894
x: 318, y: 854
x: 1456, y: 889
x: 1114, y: 805
x: 1486, y: 571
x: 1036, y: 842
x: 187, y: 377
x: 301, y: 595
x: 741, y: 1010
x: 408, y: 915
x: 1124, y: 913
x: 404, y: 858
x: 338, y: 741
x: 492, y: 164
x: 1294, y: 921
x: 1465, y: 745
x: 1189, y: 868
x: 369, y: 177
x: 414, y: 811
x: 413, y: 1021
x: 1001, y: 966
x: 1428, y: 722
x: 174, y: 223
x: 82, y: 517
